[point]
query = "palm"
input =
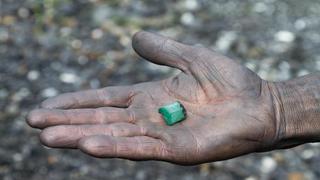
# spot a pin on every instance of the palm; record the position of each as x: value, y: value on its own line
x: 222, y: 99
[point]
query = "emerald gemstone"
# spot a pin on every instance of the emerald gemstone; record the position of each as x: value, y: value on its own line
x: 173, y: 113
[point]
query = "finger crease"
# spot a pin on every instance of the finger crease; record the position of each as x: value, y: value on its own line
x: 115, y: 148
x: 132, y: 116
x: 139, y: 146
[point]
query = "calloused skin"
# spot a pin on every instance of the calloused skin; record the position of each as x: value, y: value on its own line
x: 230, y: 111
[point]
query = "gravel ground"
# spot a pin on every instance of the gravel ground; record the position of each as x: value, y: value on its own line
x: 54, y: 46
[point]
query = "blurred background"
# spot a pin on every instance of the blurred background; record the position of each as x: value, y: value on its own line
x: 49, y: 47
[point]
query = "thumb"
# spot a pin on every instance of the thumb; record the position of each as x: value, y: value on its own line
x: 162, y: 50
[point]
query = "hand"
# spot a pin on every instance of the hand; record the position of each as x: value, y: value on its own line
x: 230, y: 111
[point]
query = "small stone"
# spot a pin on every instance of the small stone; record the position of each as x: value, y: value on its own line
x: 204, y: 169
x: 307, y: 154
x: 8, y: 20
x: 70, y: 22
x: 125, y: 40
x: 101, y: 13
x: 4, y: 35
x: 284, y: 73
x: 76, y: 44
x: 191, y: 4
x: 95, y: 83
x: 49, y: 92
x: 141, y: 175
x: 12, y: 108
x: 97, y: 34
x: 314, y: 144
x: 68, y: 78
x: 251, y: 178
x: 260, y: 7
x: 187, y: 18
x: 65, y: 31
x: 295, y: 176
x: 52, y: 159
x: 17, y: 157
x: 21, y: 94
x: 33, y: 75
x: 303, y: 72
x: 84, y: 170
x: 5, y: 170
x: 23, y: 12
x: 285, y: 36
x: 225, y: 40
x: 83, y: 60
x: 300, y: 24
x: 278, y: 157
x: 3, y: 93
x: 317, y: 64
x: 268, y: 164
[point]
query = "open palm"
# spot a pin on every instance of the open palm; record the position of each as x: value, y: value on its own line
x: 229, y: 111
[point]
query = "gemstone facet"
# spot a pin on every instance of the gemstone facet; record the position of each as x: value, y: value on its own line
x: 173, y: 113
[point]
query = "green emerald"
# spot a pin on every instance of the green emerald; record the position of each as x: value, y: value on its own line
x: 173, y: 113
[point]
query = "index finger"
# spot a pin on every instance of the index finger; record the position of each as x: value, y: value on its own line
x: 115, y: 96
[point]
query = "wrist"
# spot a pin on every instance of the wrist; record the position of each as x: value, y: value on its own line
x: 297, y: 111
